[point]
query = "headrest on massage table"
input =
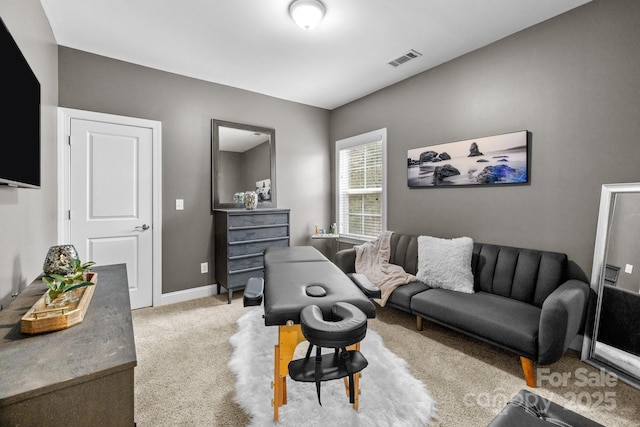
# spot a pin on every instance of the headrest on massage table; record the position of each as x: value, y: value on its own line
x: 297, y: 276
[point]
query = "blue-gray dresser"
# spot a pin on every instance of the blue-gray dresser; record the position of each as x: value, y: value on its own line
x: 241, y: 236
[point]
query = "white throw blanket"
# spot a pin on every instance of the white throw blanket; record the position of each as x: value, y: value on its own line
x: 372, y: 260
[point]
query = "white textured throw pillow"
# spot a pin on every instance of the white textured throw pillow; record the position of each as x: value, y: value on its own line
x: 446, y: 263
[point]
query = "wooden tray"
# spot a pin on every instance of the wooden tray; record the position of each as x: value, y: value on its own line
x: 41, y: 318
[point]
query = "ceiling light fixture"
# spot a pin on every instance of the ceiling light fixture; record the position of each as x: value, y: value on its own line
x: 306, y: 13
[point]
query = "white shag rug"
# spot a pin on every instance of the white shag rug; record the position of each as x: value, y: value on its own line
x: 390, y: 395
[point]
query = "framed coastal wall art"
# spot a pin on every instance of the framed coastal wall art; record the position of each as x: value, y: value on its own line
x: 491, y: 160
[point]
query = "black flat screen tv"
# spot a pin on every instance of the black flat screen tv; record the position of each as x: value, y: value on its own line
x: 20, y: 117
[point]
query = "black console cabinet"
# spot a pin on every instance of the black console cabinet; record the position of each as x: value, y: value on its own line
x: 241, y: 236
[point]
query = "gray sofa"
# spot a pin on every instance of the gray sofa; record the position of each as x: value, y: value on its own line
x: 524, y: 301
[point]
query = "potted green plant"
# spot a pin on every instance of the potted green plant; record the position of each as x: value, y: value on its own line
x: 75, y: 278
x: 79, y: 270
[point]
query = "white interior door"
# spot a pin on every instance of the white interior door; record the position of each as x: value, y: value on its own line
x: 111, y: 190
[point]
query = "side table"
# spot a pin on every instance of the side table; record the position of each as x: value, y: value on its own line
x: 329, y: 236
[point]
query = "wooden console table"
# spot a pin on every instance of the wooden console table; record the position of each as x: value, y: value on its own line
x: 80, y: 376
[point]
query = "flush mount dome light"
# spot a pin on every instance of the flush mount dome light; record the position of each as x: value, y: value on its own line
x: 306, y: 13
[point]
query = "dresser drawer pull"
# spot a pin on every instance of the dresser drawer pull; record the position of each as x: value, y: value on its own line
x: 236, y: 257
x: 244, y: 242
x: 246, y: 270
x: 252, y: 227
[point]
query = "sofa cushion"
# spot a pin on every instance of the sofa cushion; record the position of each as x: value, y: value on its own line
x: 508, y: 323
x: 404, y: 252
x: 401, y: 296
x: 522, y: 274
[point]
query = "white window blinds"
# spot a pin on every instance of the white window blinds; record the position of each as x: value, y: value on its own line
x: 361, y: 183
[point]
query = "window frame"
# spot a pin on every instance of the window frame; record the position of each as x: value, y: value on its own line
x: 354, y: 141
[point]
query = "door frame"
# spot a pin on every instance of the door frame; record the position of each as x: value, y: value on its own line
x: 64, y: 159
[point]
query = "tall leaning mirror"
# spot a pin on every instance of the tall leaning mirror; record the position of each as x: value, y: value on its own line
x: 612, y: 337
x: 243, y: 159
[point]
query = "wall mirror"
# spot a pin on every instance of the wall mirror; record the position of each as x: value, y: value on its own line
x: 612, y: 336
x: 243, y: 159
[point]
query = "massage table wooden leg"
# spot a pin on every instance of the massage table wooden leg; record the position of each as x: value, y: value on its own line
x: 289, y: 336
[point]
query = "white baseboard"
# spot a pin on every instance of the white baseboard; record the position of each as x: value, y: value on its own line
x: 188, y: 294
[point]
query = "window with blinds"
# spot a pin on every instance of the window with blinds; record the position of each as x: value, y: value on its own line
x: 361, y: 204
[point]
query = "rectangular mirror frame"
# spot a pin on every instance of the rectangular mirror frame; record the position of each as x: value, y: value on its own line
x: 215, y: 162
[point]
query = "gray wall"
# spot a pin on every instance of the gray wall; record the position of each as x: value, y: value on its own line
x: 185, y: 106
x: 572, y: 81
x: 28, y: 216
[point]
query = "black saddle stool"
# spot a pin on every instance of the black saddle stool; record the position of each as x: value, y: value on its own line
x: 347, y: 326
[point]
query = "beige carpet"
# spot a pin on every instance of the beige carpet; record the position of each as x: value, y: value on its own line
x: 183, y: 377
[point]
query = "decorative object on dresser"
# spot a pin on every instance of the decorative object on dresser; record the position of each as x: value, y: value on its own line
x: 250, y: 200
x: 241, y: 236
x: 75, y: 277
x: 58, y: 259
x: 62, y: 312
x: 66, y: 300
x: 238, y: 198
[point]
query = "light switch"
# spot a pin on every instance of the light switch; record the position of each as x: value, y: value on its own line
x: 628, y: 268
x: 179, y: 204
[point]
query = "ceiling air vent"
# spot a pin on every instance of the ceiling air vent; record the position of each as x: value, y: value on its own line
x: 412, y: 54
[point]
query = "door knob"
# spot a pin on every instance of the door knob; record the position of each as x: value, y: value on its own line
x: 142, y: 227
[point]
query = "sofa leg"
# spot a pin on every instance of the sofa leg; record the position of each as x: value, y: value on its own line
x: 419, y: 323
x: 527, y: 368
